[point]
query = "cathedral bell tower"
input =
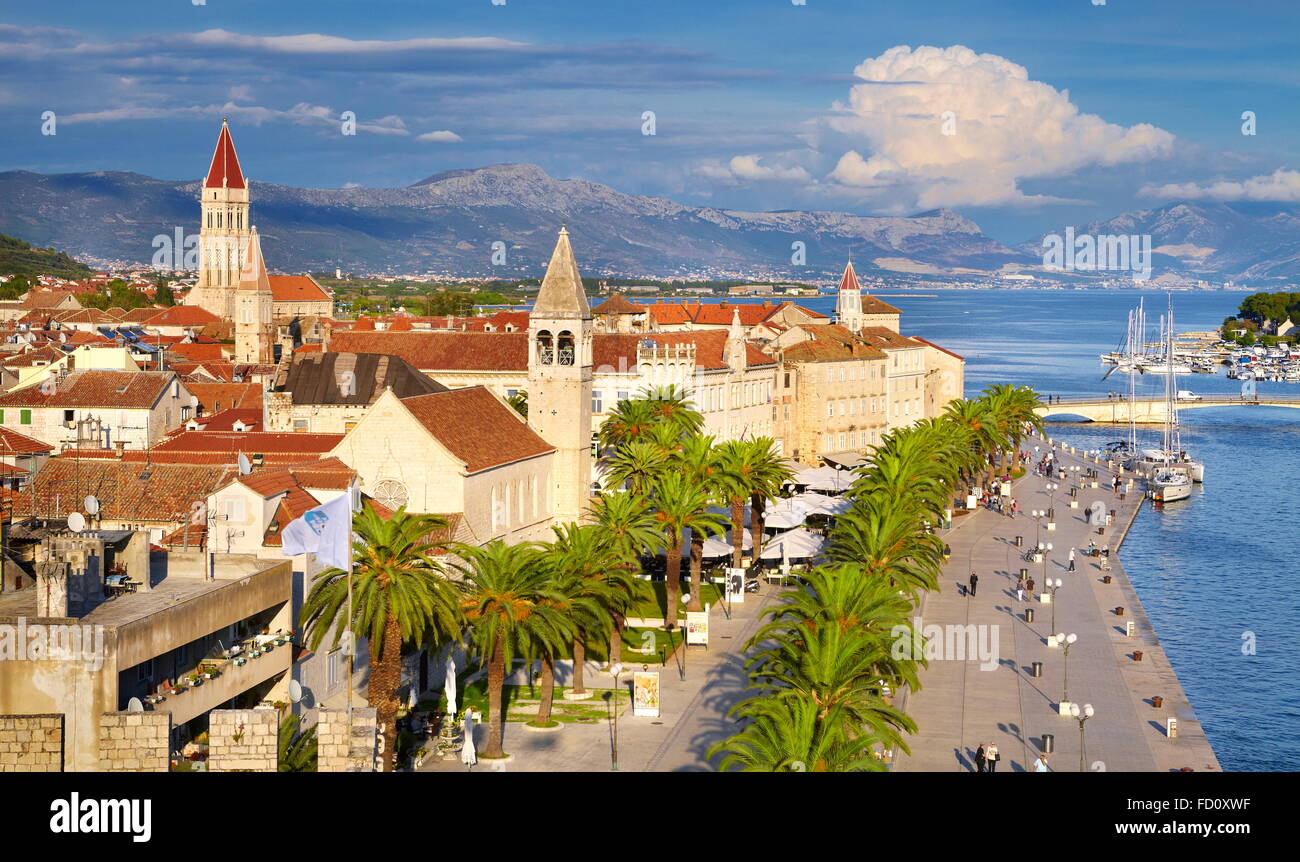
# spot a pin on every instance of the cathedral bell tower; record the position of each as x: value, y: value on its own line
x: 224, y: 230
x: 254, y: 335
x: 848, y: 302
x: 560, y: 334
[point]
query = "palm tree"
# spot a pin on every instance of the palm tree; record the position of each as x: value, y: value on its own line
x: 1017, y: 409
x: 883, y: 535
x: 629, y: 525
x: 789, y: 734
x: 629, y: 419
x: 579, y: 559
x: 672, y: 406
x: 697, y: 459
x: 768, y: 474
x: 400, y: 596
x: 297, y: 747
x: 680, y: 505
x: 511, y: 607
x: 636, y: 465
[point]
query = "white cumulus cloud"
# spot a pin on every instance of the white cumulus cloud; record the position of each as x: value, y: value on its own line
x: 749, y: 168
x: 1281, y: 185
x: 952, y: 128
x: 442, y: 136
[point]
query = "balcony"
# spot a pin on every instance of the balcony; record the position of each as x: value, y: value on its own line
x: 234, y: 680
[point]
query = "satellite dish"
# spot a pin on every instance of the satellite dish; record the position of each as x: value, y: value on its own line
x: 244, y: 467
x: 92, y: 505
x: 134, y: 705
x: 76, y: 522
x: 295, y: 690
x: 194, y: 401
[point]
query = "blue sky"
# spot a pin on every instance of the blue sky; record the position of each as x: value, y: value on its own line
x: 1022, y: 115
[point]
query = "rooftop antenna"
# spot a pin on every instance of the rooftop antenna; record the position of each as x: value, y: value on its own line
x: 76, y: 522
x: 245, y: 467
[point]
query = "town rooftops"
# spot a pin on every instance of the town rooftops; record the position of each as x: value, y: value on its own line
x: 224, y: 171
x: 351, y: 378
x: 126, y: 491
x: 180, y: 315
x: 13, y: 443
x: 234, y: 443
x: 215, y: 397
x: 617, y: 304
x: 297, y: 288
x: 461, y: 351
x: 476, y: 428
x: 122, y: 390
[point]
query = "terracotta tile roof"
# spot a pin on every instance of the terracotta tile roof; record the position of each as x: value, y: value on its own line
x: 721, y: 313
x: 225, y: 164
x: 48, y: 298
x: 33, y: 356
x: 669, y: 313
x: 128, y: 491
x: 871, y: 305
x: 233, y: 443
x: 187, y: 535
x: 137, y: 315
x: 461, y: 351
x: 226, y: 419
x: 297, y: 288
x: 937, y: 347
x: 197, y: 350
x: 181, y: 315
x: 113, y: 389
x: 476, y: 428
x: 831, y: 342
x: 883, y: 337
x: 618, y: 351
x: 618, y: 304
x: 13, y: 443
x: 214, y: 397
x: 310, y: 348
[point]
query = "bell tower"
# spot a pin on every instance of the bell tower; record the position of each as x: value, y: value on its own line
x: 848, y: 303
x: 560, y: 334
x: 253, y: 330
x: 223, y: 230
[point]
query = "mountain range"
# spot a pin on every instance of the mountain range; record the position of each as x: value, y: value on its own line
x: 450, y: 223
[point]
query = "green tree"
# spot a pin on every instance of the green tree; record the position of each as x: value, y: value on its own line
x: 400, y: 596
x: 680, y: 505
x: 297, y: 747
x: 629, y: 525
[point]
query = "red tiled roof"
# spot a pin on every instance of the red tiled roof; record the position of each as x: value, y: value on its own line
x: 618, y: 304
x: 462, y: 351
x: 233, y: 443
x: 476, y: 428
x: 225, y: 164
x: 181, y: 315
x: 937, y: 347
x: 126, y: 490
x: 196, y: 351
x: 113, y: 389
x: 296, y: 288
x: 669, y: 313
x: 226, y: 419
x: 13, y: 443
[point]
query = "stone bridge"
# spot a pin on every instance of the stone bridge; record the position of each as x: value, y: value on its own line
x: 1150, y: 410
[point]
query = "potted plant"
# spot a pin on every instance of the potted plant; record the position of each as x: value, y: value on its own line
x: 194, y: 680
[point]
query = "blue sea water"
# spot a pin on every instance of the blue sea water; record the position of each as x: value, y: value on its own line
x: 1216, y: 573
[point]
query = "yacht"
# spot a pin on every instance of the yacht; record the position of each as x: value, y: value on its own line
x: 1167, y: 486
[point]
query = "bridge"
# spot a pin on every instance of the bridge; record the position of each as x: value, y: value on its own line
x: 1150, y: 409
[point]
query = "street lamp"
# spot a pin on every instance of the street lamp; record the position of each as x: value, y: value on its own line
x: 1067, y: 641
x: 1081, y: 716
x: 1037, y: 515
x: 616, y: 668
x: 1051, y: 487
x: 1052, y: 585
x: 1047, y: 551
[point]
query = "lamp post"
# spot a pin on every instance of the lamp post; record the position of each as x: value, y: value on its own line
x: 1052, y: 585
x: 1047, y: 550
x: 616, y: 669
x: 1067, y: 641
x: 1051, y: 487
x: 1037, y: 515
x: 1081, y: 716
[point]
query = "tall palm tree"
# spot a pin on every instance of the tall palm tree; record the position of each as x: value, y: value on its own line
x: 400, y: 596
x: 883, y: 535
x: 629, y: 525
x: 697, y: 460
x: 671, y: 405
x: 579, y: 559
x: 768, y: 475
x: 629, y: 419
x: 680, y: 505
x: 636, y: 465
x: 512, y: 608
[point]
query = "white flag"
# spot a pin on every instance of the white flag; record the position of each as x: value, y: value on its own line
x: 325, y: 531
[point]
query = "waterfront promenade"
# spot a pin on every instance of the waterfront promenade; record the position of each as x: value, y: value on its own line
x: 959, y: 706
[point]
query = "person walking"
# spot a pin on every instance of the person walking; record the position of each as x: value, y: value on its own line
x: 1071, y: 567
x: 1015, y: 508
x: 992, y: 757
x: 1029, y: 588
x: 974, y: 582
x: 1040, y: 763
x: 980, y: 760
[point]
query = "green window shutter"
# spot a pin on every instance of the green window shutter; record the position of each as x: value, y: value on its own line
x: 25, y: 417
x: 2, y: 417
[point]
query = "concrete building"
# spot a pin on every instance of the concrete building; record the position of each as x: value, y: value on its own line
x: 105, y: 644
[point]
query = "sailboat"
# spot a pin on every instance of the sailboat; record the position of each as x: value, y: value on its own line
x: 1172, y: 472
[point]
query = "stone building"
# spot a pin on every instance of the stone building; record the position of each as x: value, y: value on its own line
x: 330, y: 392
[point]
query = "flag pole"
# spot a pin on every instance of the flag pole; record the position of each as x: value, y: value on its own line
x: 352, y: 643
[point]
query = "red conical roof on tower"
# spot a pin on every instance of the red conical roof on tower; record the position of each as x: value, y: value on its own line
x: 225, y: 164
x: 849, y: 281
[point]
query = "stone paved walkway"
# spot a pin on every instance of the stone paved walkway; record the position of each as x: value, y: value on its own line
x: 959, y: 706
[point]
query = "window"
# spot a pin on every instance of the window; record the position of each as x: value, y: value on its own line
x: 144, y: 671
x: 335, y: 667
x: 622, y: 395
x: 565, y: 349
x: 301, y: 426
x: 830, y: 409
x: 2, y: 417
x: 787, y: 380
x: 25, y: 417
x: 185, y: 414
x: 511, y: 393
x: 234, y: 508
x: 545, y: 348
x: 597, y: 401
x: 69, y: 417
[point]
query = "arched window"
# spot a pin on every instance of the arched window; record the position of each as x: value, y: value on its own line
x: 545, y: 348
x: 564, y: 348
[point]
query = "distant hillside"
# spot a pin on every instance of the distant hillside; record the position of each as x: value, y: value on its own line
x: 19, y: 258
x: 450, y: 222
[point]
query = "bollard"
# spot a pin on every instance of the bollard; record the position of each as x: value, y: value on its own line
x: 1157, y: 701
x: 1029, y: 615
x: 1119, y: 612
x: 1036, y: 669
x: 1137, y: 655
x: 1049, y: 743
x: 1105, y: 579
x: 1020, y: 541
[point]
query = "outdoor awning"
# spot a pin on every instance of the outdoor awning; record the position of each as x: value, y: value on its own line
x: 795, y: 545
x: 786, y: 513
x: 847, y: 460
x: 829, y: 479
x: 720, y: 546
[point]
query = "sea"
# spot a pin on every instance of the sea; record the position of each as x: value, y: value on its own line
x: 1216, y: 573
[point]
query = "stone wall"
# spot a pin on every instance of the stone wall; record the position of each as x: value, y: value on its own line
x: 243, y: 740
x: 31, y: 743
x: 344, y: 748
x: 135, y: 741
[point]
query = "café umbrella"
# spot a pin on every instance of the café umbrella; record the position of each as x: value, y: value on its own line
x: 793, y: 545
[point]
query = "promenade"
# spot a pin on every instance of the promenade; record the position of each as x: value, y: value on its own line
x: 692, y: 712
x: 959, y: 705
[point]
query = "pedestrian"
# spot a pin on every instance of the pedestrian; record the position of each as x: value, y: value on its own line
x: 1015, y: 508
x: 974, y: 581
x: 1040, y: 763
x: 468, y: 754
x: 1029, y: 588
x: 1071, y: 568
x: 947, y: 552
x: 1020, y: 591
x: 992, y: 757
x: 980, y: 760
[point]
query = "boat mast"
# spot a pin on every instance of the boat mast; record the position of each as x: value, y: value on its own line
x: 1173, y: 440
